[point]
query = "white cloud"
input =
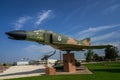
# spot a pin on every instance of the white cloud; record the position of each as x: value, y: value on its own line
x: 81, y: 10
x: 100, y: 28
x: 35, y: 21
x: 40, y: 49
x: 20, y: 22
x: 103, y: 37
x: 111, y: 8
x: 93, y: 30
x: 42, y: 16
x: 114, y: 7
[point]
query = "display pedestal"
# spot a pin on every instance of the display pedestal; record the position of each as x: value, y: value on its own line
x: 69, y: 62
x: 50, y: 71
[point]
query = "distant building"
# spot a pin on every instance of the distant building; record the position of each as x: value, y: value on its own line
x: 23, y: 63
x: 48, y: 62
x: 81, y: 60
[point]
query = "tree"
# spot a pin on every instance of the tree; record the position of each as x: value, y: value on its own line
x: 95, y: 57
x: 89, y: 55
x: 77, y: 63
x: 111, y: 53
x: 4, y: 64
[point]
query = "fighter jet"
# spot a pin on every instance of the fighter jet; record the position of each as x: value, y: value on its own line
x: 55, y: 40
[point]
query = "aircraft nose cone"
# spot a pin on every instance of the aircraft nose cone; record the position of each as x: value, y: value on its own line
x: 17, y: 34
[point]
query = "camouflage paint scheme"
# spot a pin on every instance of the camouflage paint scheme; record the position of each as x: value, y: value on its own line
x: 61, y: 42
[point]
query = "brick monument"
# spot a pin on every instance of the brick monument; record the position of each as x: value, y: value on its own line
x: 69, y: 62
x: 50, y: 71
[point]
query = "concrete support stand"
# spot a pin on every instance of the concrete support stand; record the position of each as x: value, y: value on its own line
x: 69, y: 62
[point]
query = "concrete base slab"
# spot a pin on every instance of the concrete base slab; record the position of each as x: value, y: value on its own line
x: 35, y: 70
x: 23, y: 71
x: 80, y: 70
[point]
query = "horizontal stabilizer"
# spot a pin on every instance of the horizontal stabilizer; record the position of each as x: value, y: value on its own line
x: 70, y: 47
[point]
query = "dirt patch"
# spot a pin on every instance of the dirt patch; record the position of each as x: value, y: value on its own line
x: 3, y: 68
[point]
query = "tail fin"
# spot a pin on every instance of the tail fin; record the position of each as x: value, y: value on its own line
x: 86, y: 41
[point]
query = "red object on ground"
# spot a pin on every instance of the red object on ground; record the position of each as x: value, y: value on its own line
x: 50, y: 71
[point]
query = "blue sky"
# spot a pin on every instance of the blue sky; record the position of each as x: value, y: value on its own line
x: 98, y: 19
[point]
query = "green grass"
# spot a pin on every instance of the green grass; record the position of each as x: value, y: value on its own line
x: 101, y: 71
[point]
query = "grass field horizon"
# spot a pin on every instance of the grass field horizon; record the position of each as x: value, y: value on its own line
x: 101, y: 71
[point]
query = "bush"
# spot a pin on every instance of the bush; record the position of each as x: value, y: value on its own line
x: 4, y: 64
x: 77, y: 63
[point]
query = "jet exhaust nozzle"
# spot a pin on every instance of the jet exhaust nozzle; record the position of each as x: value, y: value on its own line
x: 17, y: 34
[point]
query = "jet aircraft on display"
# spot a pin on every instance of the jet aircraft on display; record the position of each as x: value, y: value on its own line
x: 53, y: 39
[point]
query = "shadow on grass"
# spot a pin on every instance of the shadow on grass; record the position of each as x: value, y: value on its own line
x: 106, y: 70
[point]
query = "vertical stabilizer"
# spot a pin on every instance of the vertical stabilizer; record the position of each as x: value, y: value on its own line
x: 86, y: 41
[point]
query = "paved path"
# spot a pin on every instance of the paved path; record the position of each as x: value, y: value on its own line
x: 22, y: 71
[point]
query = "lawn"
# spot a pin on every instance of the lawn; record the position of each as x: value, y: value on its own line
x: 101, y: 71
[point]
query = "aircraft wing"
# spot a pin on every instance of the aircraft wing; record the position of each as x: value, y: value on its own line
x: 72, y: 47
